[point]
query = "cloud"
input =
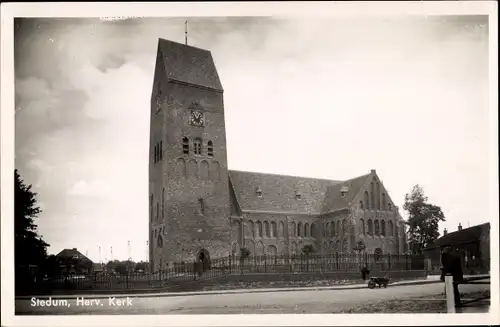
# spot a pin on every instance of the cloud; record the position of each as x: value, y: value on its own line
x: 329, y: 98
x: 94, y: 189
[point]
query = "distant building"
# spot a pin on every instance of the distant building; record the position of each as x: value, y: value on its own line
x: 199, y: 209
x: 472, y: 243
x: 72, y: 262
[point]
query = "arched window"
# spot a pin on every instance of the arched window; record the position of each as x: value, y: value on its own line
x: 378, y: 196
x: 197, y: 145
x: 202, y: 206
x: 382, y: 227
x: 157, y: 210
x: 299, y: 229
x: 259, y: 228
x: 151, y: 208
x: 372, y: 195
x: 163, y: 203
x: 313, y: 230
x: 367, y: 201
x: 306, y: 230
x: 251, y: 227
x: 390, y: 228
x: 271, y: 250
x: 159, y: 242
x: 294, y: 229
x: 344, y: 231
x: 389, y: 205
x: 370, y: 227
x: 266, y: 229
x: 337, y: 246
x: 210, y: 149
x: 384, y: 204
x: 377, y: 227
x: 274, y: 232
x: 362, y: 226
x: 361, y: 204
x: 281, y: 232
x: 332, y: 229
x: 185, y: 145
x: 337, y: 225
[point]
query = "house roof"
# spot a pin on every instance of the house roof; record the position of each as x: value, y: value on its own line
x: 279, y: 192
x: 189, y: 64
x: 466, y: 235
x: 72, y: 253
x: 334, y: 199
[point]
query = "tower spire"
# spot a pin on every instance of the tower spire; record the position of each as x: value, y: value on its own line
x: 186, y: 31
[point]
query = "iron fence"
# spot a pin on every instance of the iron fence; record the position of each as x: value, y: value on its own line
x: 327, y: 263
x: 233, y: 265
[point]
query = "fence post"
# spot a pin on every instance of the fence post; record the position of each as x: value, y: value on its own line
x: 389, y: 260
x: 449, y: 293
x: 337, y: 260
x: 265, y: 263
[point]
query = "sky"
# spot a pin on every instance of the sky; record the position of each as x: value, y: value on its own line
x: 316, y: 97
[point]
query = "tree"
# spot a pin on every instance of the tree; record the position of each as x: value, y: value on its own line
x: 423, y: 220
x: 307, y: 249
x: 141, y: 265
x: 30, y: 249
x: 244, y: 253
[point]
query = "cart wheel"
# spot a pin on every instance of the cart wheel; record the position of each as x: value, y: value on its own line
x: 371, y: 284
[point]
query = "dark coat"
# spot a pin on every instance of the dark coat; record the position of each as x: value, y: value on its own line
x: 452, y: 264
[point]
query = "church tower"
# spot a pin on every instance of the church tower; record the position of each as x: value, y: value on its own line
x: 188, y: 174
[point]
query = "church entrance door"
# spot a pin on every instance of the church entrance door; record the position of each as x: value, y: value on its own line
x: 203, y: 260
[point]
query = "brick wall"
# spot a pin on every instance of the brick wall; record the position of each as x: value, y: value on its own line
x: 180, y: 177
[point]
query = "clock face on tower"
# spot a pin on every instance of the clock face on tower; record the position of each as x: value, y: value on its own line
x: 196, y: 118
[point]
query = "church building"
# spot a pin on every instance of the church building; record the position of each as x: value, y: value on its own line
x: 198, y: 208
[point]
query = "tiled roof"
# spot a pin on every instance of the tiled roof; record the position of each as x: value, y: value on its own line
x: 189, y: 64
x: 470, y: 234
x: 333, y: 197
x: 279, y: 192
x: 72, y: 253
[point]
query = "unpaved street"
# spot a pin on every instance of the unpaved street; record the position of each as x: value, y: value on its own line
x: 326, y: 301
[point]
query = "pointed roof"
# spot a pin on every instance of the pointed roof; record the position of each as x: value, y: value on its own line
x: 188, y: 64
x: 340, y: 195
x: 279, y: 193
x: 72, y: 254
